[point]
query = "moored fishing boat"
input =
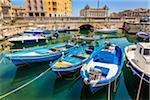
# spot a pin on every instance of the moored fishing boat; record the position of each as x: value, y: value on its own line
x: 108, y: 30
x: 138, y: 57
x: 95, y: 37
x: 39, y: 54
x: 103, y: 67
x: 27, y: 38
x: 143, y: 35
x: 34, y: 30
x: 72, y: 61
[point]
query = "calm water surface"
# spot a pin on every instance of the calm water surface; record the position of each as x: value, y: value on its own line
x: 49, y: 86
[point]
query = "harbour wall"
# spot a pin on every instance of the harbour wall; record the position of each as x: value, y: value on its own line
x: 133, y: 28
x: 76, y: 22
x: 23, y: 23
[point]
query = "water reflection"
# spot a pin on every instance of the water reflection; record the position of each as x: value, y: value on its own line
x: 7, y: 74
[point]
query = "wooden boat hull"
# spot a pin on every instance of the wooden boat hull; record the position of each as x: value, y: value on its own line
x: 101, y: 83
x: 72, y: 63
x: 30, y: 56
x: 35, y: 59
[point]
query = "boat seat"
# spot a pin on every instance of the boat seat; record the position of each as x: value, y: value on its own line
x: 53, y: 49
x: 42, y: 51
x: 72, y: 60
x: 103, y: 70
x: 113, y: 68
x: 79, y: 57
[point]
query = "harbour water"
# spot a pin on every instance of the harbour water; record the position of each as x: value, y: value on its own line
x: 48, y: 86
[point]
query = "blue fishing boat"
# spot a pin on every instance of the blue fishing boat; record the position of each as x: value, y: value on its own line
x: 72, y: 61
x: 103, y: 67
x: 39, y: 54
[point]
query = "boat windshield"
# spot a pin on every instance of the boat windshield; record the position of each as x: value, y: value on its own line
x: 146, y: 51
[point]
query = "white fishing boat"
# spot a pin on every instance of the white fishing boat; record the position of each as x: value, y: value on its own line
x: 143, y: 35
x: 112, y: 29
x: 26, y: 38
x: 87, y: 38
x: 34, y: 30
x: 138, y: 57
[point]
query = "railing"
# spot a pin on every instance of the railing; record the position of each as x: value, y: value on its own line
x: 76, y: 19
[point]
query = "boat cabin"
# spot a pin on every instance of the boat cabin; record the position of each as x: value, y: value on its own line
x: 142, y: 55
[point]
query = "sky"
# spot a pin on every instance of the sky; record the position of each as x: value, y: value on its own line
x: 114, y: 5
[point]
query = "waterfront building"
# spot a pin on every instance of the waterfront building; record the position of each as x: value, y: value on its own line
x: 5, y: 9
x: 94, y: 12
x: 49, y: 8
x: 18, y: 11
x: 59, y: 8
x: 132, y: 13
x: 35, y: 8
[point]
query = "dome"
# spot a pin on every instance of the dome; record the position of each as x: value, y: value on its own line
x: 87, y: 7
x: 106, y: 7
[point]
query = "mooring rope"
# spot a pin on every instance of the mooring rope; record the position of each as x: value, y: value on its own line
x: 24, y: 85
x: 138, y: 94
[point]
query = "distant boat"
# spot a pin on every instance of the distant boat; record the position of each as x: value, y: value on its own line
x: 39, y: 54
x: 95, y: 37
x: 27, y: 38
x: 143, y: 35
x: 138, y: 57
x: 34, y: 30
x: 72, y: 61
x: 103, y: 67
x: 108, y: 30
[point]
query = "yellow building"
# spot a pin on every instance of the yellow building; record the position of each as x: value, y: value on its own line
x: 58, y: 8
x: 50, y: 8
